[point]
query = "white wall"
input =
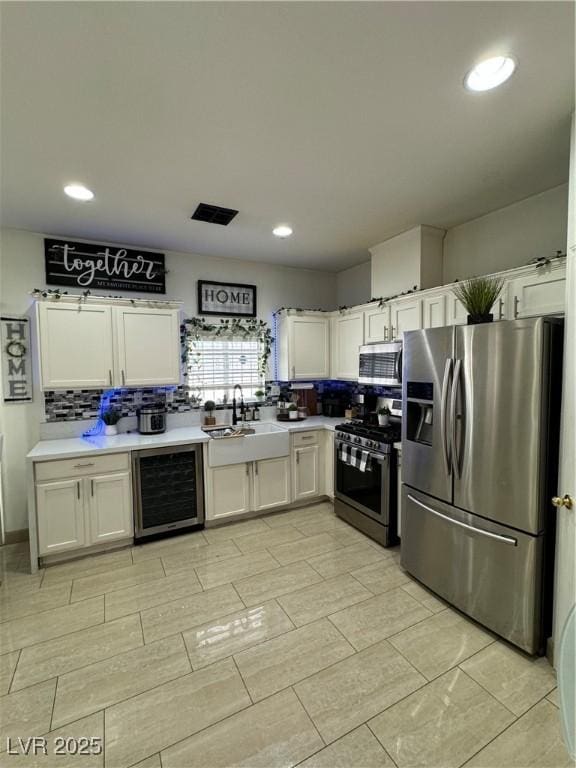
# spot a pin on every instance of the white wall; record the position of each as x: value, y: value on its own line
x: 353, y: 285
x: 508, y: 237
x: 22, y: 269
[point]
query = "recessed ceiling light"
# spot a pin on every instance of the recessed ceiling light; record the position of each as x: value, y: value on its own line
x: 282, y: 230
x: 79, y: 192
x: 490, y: 73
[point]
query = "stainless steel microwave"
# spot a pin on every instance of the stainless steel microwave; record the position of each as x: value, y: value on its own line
x: 381, y: 364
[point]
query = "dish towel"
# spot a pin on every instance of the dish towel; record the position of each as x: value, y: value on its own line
x: 355, y: 457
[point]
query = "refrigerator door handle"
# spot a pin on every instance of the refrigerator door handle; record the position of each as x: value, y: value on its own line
x: 453, y: 418
x: 504, y: 539
x: 443, y: 414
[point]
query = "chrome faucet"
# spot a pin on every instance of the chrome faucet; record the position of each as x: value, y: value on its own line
x: 234, y: 414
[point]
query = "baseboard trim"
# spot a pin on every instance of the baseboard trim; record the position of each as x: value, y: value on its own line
x: 15, y: 537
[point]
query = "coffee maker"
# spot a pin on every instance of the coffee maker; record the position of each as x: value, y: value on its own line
x: 365, y: 404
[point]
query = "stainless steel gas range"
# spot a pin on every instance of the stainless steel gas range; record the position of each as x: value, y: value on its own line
x: 365, y: 475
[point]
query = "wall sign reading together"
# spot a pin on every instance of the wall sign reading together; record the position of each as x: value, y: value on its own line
x: 89, y: 266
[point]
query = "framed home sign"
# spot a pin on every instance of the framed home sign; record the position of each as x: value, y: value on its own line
x: 231, y: 299
x: 89, y: 266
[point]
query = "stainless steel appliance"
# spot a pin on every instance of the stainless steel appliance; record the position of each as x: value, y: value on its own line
x: 365, y: 476
x: 381, y: 364
x: 152, y: 419
x: 479, y: 461
x: 168, y: 489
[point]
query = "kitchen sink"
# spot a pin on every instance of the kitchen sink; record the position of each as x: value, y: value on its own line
x: 258, y: 441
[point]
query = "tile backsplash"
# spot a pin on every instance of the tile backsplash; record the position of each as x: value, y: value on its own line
x: 78, y: 404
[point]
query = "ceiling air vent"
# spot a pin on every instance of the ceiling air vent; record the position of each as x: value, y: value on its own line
x: 214, y: 214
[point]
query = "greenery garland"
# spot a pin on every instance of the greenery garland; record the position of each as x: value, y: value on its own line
x: 194, y: 328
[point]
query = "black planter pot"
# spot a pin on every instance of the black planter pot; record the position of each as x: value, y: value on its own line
x: 477, y: 319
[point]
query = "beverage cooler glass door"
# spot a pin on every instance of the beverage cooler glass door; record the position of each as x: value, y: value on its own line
x: 427, y: 377
x: 499, y: 412
x: 365, y: 491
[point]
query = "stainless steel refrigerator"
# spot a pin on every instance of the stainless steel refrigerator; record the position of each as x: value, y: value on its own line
x: 480, y: 426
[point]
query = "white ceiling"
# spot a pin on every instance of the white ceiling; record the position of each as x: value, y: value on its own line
x: 347, y: 120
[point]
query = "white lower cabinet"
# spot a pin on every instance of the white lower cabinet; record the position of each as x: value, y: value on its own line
x: 110, y: 507
x: 271, y: 483
x: 306, y: 472
x: 229, y: 490
x: 60, y: 509
x: 86, y: 509
x: 235, y: 489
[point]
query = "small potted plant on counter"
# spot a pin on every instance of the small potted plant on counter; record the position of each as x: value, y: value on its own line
x: 110, y: 416
x: 209, y: 419
x: 260, y: 395
x: 384, y: 416
x: 478, y: 296
x: 293, y: 411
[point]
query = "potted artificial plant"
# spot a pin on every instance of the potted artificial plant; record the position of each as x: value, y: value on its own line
x: 384, y: 416
x: 209, y: 419
x: 110, y: 416
x: 293, y: 411
x: 259, y: 394
x: 478, y: 296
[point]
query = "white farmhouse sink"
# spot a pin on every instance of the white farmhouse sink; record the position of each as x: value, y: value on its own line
x: 268, y: 442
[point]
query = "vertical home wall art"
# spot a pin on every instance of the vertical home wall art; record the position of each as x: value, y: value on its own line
x: 16, y: 360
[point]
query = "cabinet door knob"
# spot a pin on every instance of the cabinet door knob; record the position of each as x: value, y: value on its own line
x: 563, y: 501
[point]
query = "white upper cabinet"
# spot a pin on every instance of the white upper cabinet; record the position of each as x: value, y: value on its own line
x: 405, y: 315
x: 434, y: 311
x: 377, y: 324
x: 304, y: 339
x: 455, y: 313
x: 543, y: 292
x: 348, y: 338
x: 93, y: 346
x: 303, y: 347
x: 76, y: 349
x: 148, y: 346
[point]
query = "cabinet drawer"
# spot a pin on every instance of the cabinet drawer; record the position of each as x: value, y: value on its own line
x: 82, y: 465
x: 304, y: 438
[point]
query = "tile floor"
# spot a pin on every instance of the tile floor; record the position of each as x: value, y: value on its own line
x: 287, y: 640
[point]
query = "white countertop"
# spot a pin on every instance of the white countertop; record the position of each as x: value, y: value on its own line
x: 47, y: 450
x: 313, y: 422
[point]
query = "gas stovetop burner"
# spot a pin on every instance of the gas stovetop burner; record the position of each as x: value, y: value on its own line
x: 369, y: 435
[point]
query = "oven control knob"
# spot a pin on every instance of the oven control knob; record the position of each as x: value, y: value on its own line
x: 357, y: 440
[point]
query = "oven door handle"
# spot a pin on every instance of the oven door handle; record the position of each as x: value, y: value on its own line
x: 379, y: 457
